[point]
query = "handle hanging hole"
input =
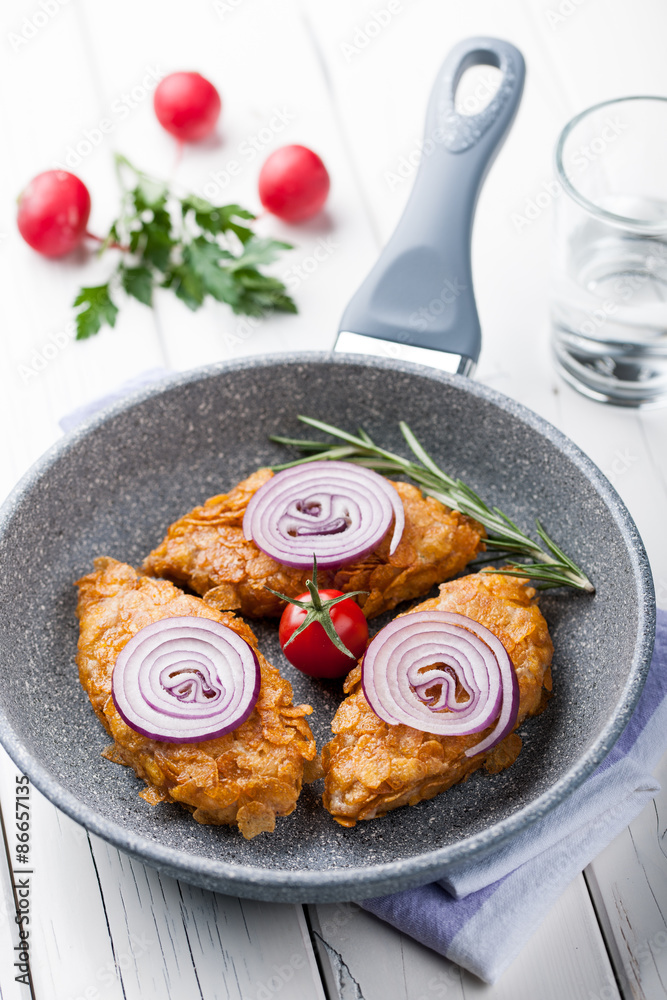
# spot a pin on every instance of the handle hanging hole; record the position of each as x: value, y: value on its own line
x: 476, y: 88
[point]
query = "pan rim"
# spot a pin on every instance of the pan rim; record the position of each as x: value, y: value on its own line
x: 354, y: 882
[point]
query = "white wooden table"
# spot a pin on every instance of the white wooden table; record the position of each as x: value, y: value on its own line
x: 104, y: 927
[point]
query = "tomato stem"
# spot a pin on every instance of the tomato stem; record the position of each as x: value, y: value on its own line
x: 318, y: 610
x: 312, y: 587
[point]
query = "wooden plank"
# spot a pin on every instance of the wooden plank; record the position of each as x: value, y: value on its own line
x: 628, y: 883
x: 183, y: 941
x: 653, y: 428
x: 566, y: 957
x: 364, y: 959
x: 599, y: 50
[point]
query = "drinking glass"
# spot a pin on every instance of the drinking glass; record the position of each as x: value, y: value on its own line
x: 609, y: 306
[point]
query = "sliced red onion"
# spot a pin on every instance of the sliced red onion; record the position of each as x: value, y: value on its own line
x: 410, y: 670
x: 337, y: 510
x: 187, y: 679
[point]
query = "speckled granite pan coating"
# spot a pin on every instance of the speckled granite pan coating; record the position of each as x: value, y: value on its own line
x: 111, y: 488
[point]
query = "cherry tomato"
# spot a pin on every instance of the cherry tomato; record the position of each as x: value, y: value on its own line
x: 53, y: 212
x: 187, y: 105
x: 312, y: 651
x: 293, y: 183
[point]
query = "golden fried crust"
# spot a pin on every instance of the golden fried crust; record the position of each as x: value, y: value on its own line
x: 371, y: 767
x: 247, y: 777
x: 207, y: 551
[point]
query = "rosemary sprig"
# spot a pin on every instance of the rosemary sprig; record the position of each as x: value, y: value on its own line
x: 549, y: 565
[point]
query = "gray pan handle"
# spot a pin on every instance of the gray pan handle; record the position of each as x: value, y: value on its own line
x: 420, y: 291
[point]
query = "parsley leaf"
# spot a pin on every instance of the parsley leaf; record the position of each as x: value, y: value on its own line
x: 261, y: 293
x: 258, y: 251
x: 156, y: 245
x: 205, y: 257
x: 218, y: 219
x: 186, y: 284
x: 138, y: 282
x: 99, y: 309
x: 186, y: 244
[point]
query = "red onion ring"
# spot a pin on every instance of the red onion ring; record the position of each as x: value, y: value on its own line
x: 186, y: 679
x: 413, y: 656
x: 337, y: 510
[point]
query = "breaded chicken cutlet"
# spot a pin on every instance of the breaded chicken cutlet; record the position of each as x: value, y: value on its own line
x: 372, y: 767
x: 207, y: 551
x: 246, y: 777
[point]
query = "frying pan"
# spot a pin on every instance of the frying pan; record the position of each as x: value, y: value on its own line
x: 113, y: 485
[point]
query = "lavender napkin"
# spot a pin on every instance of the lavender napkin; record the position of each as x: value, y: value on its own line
x: 483, y: 913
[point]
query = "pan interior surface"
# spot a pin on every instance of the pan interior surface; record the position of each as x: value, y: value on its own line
x: 114, y: 488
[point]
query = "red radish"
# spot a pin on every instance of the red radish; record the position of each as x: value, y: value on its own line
x: 187, y: 105
x: 53, y: 212
x: 293, y: 183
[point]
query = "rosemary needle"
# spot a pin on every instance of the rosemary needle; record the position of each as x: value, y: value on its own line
x: 548, y: 565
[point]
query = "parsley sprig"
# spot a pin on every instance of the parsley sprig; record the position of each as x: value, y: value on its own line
x: 549, y: 566
x: 186, y: 244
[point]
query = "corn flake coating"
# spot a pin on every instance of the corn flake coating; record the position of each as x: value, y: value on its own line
x: 206, y: 551
x: 372, y: 767
x: 246, y: 777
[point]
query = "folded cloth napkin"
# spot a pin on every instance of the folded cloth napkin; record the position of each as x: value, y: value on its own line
x: 483, y: 912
